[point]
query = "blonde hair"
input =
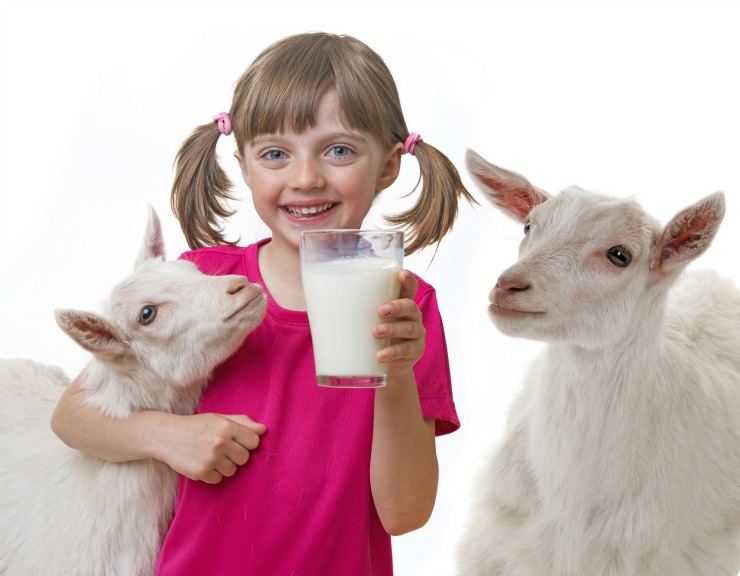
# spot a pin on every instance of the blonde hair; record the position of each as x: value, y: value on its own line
x: 281, y: 91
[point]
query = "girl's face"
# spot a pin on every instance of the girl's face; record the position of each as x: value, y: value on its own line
x: 325, y: 177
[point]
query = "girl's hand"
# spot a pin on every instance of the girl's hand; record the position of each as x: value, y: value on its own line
x: 208, y: 447
x: 403, y: 326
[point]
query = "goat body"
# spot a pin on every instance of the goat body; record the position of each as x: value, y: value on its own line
x: 622, y: 452
x: 63, y: 512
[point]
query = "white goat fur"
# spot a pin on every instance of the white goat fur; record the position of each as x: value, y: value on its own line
x: 622, y: 453
x: 63, y: 512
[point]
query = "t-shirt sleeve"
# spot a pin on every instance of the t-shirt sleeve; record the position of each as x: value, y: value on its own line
x: 203, y: 259
x: 190, y: 255
x: 432, y: 371
x: 218, y: 260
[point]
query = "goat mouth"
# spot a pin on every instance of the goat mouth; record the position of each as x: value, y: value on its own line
x: 257, y: 296
x: 498, y: 310
x: 308, y: 211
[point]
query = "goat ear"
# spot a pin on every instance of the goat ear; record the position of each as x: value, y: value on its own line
x: 689, y: 233
x: 94, y: 333
x: 153, y: 244
x: 509, y: 191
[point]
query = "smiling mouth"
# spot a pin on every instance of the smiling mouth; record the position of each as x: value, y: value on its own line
x: 303, y: 211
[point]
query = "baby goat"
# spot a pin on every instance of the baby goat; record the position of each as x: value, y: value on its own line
x: 63, y: 512
x: 622, y: 452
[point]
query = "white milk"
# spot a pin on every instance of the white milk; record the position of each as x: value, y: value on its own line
x: 342, y: 298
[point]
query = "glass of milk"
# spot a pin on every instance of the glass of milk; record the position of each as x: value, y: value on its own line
x: 346, y: 275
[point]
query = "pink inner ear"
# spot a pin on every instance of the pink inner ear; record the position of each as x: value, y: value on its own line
x: 99, y: 335
x: 94, y: 334
x: 511, y: 197
x: 689, y: 235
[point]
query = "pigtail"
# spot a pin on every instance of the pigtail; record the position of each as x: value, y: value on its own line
x: 201, y: 188
x: 435, y: 210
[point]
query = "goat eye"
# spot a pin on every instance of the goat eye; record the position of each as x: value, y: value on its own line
x: 147, y: 315
x: 619, y: 256
x: 527, y: 226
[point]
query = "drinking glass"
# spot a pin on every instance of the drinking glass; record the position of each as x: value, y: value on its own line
x: 346, y: 275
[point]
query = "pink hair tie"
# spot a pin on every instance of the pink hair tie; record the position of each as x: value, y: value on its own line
x: 224, y: 123
x: 410, y: 143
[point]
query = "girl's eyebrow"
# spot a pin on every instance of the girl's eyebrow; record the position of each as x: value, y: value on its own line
x: 349, y: 135
x: 263, y: 138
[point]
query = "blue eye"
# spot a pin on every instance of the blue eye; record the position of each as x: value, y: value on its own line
x: 340, y: 151
x: 274, y: 155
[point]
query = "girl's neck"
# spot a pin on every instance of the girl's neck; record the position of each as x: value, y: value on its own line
x: 281, y: 272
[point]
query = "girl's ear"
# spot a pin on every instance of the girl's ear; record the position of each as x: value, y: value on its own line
x: 390, y: 168
x: 243, y: 167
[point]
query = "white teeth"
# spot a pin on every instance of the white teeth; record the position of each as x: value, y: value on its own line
x: 308, y: 210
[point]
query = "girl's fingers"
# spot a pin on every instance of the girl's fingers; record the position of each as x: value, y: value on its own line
x: 409, y: 284
x: 248, y: 433
x: 407, y: 330
x: 400, y: 309
x: 245, y: 420
x: 212, y: 477
x: 236, y: 455
x: 226, y: 467
x: 216, y: 445
x: 410, y: 350
x: 403, y: 324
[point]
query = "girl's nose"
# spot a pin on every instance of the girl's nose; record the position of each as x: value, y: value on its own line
x: 306, y: 174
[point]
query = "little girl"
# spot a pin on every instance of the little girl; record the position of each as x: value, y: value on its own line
x: 280, y: 476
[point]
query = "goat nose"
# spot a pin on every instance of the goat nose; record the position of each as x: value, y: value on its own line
x: 237, y: 285
x: 511, y: 284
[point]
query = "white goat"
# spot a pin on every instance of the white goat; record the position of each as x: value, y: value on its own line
x: 622, y: 452
x: 63, y: 512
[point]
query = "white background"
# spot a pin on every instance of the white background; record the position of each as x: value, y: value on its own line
x: 629, y: 98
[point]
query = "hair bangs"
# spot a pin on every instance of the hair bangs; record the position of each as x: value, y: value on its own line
x: 284, y: 93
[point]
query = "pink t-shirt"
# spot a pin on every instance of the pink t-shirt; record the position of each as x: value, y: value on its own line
x: 301, y: 505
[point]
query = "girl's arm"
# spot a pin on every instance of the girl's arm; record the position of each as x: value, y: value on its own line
x: 403, y: 466
x: 203, y: 447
